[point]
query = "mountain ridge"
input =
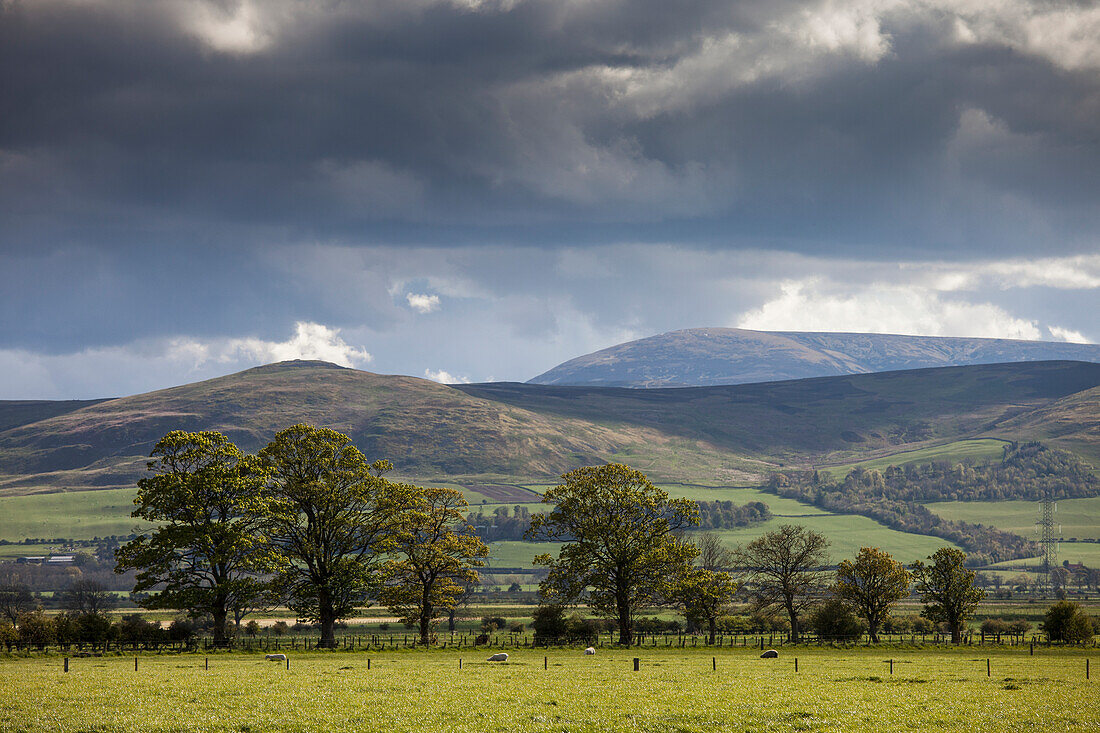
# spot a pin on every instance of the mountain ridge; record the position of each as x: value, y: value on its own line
x: 720, y: 356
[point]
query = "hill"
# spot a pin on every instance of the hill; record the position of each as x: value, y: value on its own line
x: 713, y: 356
x: 434, y: 431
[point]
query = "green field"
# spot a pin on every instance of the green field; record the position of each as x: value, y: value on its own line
x: 78, y: 515
x: 1078, y: 518
x: 675, y: 690
x: 981, y: 449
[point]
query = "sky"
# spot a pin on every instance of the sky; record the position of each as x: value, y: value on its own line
x: 477, y: 190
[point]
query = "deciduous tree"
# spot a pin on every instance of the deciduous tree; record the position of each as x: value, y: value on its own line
x: 787, y: 569
x: 873, y: 583
x: 704, y: 595
x: 947, y: 589
x: 621, y: 551
x: 436, y: 561
x: 208, y: 498
x: 333, y: 520
x: 1067, y: 621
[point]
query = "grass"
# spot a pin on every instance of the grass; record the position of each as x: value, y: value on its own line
x: 675, y: 690
x: 1078, y: 518
x: 981, y: 449
x: 78, y: 515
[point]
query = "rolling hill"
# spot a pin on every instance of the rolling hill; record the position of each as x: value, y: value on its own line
x: 501, y: 443
x: 536, y: 432
x: 713, y: 356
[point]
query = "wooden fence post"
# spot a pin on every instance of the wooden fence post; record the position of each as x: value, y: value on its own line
x: 636, y: 663
x: 1086, y: 667
x: 987, y: 670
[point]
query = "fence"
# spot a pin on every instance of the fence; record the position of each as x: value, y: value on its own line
x: 514, y: 640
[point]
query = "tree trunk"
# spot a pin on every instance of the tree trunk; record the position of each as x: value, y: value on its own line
x: 626, y: 632
x: 220, y: 615
x: 793, y: 613
x: 713, y: 623
x: 956, y: 632
x: 327, y: 616
x: 451, y: 620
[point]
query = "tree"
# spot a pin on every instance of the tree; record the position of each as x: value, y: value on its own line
x: 873, y: 584
x: 333, y: 519
x: 947, y: 590
x: 87, y: 598
x: 438, y: 554
x: 704, y: 595
x: 1067, y: 621
x: 713, y: 554
x: 15, y: 600
x: 834, y: 619
x: 786, y: 568
x: 621, y: 549
x: 208, y: 499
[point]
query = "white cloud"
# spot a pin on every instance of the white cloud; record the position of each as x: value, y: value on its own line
x: 1065, y: 334
x: 806, y: 305
x: 422, y: 303
x: 113, y: 371
x: 310, y: 341
x: 444, y: 377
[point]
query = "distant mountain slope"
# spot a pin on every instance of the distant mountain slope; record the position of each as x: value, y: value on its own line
x: 417, y: 424
x: 14, y: 413
x: 437, y: 432
x: 712, y: 356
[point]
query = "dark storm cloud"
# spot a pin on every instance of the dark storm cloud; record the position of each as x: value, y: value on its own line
x: 158, y: 159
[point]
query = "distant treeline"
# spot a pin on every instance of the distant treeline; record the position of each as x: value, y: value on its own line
x: 1029, y: 471
x: 512, y: 524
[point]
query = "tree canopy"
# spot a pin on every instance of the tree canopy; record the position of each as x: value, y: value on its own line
x: 210, y: 499
x: 946, y: 587
x: 873, y: 583
x: 333, y: 520
x: 787, y: 569
x: 621, y: 549
x: 437, y: 554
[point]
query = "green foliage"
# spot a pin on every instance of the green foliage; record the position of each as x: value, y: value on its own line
x: 1067, y: 621
x: 210, y: 500
x: 436, y: 554
x: 947, y: 590
x: 332, y: 520
x: 873, y: 583
x: 705, y: 595
x: 785, y: 568
x: 621, y: 548
x: 835, y: 620
x: 35, y: 627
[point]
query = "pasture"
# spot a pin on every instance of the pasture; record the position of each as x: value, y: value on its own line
x: 674, y: 690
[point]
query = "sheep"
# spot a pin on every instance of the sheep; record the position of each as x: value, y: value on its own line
x: 590, y: 650
x: 498, y: 657
x: 275, y: 657
x: 770, y: 654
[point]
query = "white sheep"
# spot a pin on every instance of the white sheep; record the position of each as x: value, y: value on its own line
x: 498, y: 657
x: 590, y: 650
x: 275, y: 657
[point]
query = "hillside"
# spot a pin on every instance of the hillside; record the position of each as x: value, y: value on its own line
x: 714, y: 356
x: 433, y: 431
x: 423, y: 427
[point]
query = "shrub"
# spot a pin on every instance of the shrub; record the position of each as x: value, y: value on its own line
x: 1066, y: 621
x: 1019, y: 626
x: 995, y: 626
x: 517, y: 627
x: 35, y: 627
x: 181, y: 629
x: 921, y: 625
x: 251, y: 628
x: 834, y: 619
x: 897, y: 625
x: 492, y: 623
x: 279, y: 628
x: 549, y: 623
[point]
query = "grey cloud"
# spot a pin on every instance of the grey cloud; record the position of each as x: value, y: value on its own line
x: 428, y: 123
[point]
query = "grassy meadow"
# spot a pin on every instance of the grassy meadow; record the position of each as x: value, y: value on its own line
x: 675, y: 690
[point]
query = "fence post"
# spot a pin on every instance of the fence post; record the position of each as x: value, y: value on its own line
x: 714, y: 663
x: 636, y: 663
x: 1086, y: 667
x: 135, y: 664
x: 546, y: 663
x: 987, y: 670
x: 891, y: 666
x: 796, y: 664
